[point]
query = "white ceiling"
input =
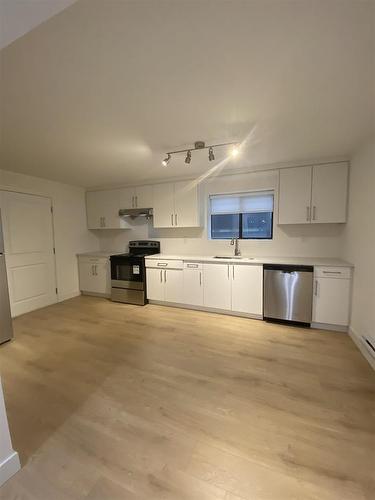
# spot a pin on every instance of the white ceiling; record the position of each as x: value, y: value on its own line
x: 97, y: 94
x: 17, y: 17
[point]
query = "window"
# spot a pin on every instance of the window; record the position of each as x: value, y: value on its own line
x: 245, y: 216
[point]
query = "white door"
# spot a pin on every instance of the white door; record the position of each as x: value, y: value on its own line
x: 186, y: 204
x: 331, y: 301
x: 28, y: 242
x: 217, y: 286
x: 163, y: 197
x: 143, y: 197
x: 329, y: 193
x: 155, y: 284
x: 247, y: 289
x: 193, y: 286
x: 295, y: 195
x: 174, y: 283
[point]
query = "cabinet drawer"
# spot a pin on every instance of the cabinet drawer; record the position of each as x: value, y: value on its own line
x: 165, y: 264
x: 193, y: 265
x: 93, y: 260
x: 333, y: 272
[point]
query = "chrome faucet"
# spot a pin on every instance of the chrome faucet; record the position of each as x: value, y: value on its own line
x: 237, y: 251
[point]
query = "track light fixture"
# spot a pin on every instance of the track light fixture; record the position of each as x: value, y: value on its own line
x: 188, y: 157
x: 166, y: 160
x: 201, y: 145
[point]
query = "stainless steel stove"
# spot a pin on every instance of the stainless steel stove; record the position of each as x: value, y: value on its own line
x: 128, y: 272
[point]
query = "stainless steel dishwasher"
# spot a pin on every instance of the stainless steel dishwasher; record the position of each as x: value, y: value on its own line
x: 288, y: 293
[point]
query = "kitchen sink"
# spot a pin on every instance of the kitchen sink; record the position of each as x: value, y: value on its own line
x: 232, y: 257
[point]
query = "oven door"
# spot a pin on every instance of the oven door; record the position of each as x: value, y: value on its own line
x: 127, y: 272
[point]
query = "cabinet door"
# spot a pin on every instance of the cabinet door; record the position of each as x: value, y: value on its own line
x: 329, y: 193
x: 143, y: 197
x: 193, y: 287
x: 88, y: 281
x: 174, y: 283
x: 295, y: 195
x: 217, y: 286
x: 186, y: 204
x: 103, y: 276
x: 126, y: 197
x: 247, y: 289
x: 102, y: 209
x: 163, y: 205
x: 155, y: 284
x: 331, y: 301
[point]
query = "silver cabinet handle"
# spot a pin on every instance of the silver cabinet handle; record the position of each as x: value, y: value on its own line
x: 172, y: 219
x: 161, y: 276
x: 175, y: 219
x: 314, y: 213
x: 92, y: 270
x: 136, y: 201
x: 200, y: 278
x: 233, y: 271
x: 95, y: 273
x: 228, y: 271
x: 308, y: 213
x: 103, y: 221
x: 192, y: 265
x: 165, y: 276
x: 162, y: 264
x: 316, y: 288
x: 133, y: 202
x: 332, y: 272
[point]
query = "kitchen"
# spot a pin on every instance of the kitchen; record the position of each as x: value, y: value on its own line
x: 187, y: 307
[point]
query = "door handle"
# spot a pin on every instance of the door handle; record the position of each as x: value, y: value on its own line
x: 314, y: 213
x: 172, y: 219
x: 175, y: 219
x: 308, y: 214
x: 165, y: 276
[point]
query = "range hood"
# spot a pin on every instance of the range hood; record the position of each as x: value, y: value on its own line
x: 135, y: 212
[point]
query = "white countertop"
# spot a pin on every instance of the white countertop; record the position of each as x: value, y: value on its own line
x: 306, y: 261
x: 97, y: 255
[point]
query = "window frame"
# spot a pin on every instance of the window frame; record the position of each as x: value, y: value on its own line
x: 240, y: 214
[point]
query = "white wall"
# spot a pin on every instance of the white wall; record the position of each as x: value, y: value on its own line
x: 359, y: 239
x: 70, y: 227
x: 9, y: 461
x: 301, y: 240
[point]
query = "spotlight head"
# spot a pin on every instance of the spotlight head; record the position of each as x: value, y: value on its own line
x: 188, y: 157
x: 211, y: 155
x: 235, y: 151
x: 166, y: 160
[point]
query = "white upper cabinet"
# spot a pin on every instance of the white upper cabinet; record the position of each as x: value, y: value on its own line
x: 295, y: 195
x: 329, y: 193
x: 186, y: 204
x: 126, y: 198
x: 247, y: 289
x: 176, y: 205
x: 163, y: 205
x: 102, y: 210
x: 143, y: 197
x: 313, y: 195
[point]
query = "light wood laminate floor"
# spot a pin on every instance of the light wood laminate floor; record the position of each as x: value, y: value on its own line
x: 109, y: 401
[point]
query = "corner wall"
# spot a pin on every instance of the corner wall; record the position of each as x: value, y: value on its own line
x: 359, y: 242
x: 9, y: 461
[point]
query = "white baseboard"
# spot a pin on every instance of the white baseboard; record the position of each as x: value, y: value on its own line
x: 67, y: 296
x: 9, y: 467
x: 357, y: 339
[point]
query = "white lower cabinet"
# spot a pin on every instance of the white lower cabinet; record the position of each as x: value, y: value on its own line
x: 193, y: 284
x: 94, y: 275
x: 247, y: 289
x: 217, y: 286
x: 332, y: 288
x: 164, y: 284
x: 238, y: 288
